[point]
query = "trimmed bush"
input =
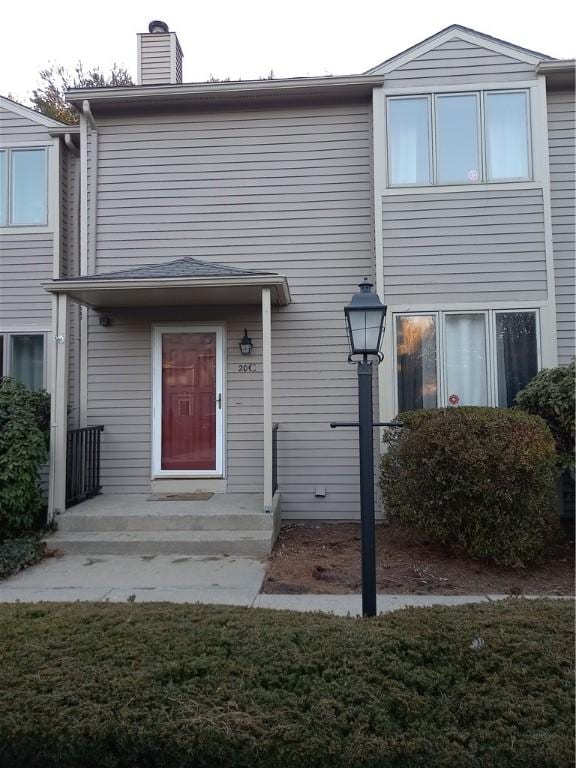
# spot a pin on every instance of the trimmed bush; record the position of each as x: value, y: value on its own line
x: 478, y: 478
x: 24, y: 427
x: 180, y: 686
x: 551, y: 395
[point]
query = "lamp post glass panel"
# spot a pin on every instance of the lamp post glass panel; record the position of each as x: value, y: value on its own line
x: 365, y: 317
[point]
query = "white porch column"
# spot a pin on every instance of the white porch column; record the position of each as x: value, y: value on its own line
x: 58, y: 409
x: 267, y: 395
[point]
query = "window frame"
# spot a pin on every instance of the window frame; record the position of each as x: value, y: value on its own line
x: 7, y: 337
x: 490, y: 341
x: 480, y: 95
x: 479, y: 129
x: 429, y: 100
x: 529, y: 147
x: 8, y: 150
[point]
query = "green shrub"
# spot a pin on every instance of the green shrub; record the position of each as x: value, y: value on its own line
x: 24, y: 426
x: 551, y: 395
x: 192, y: 686
x: 477, y: 478
x: 19, y: 553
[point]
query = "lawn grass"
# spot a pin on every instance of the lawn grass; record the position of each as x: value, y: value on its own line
x: 175, y: 686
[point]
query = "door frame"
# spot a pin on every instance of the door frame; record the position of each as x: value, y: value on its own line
x: 157, y: 331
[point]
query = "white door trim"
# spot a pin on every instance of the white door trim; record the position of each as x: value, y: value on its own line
x: 157, y: 331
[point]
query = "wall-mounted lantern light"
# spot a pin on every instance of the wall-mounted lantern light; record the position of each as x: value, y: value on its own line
x: 246, y: 344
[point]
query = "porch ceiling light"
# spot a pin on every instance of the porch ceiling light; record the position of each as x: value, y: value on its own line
x: 365, y: 317
x: 246, y: 344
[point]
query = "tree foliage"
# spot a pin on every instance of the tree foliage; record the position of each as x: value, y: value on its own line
x: 49, y: 98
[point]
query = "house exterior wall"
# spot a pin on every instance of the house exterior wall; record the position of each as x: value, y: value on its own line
x: 483, y: 246
x: 562, y: 148
x: 286, y: 189
x: 456, y: 62
x: 26, y: 253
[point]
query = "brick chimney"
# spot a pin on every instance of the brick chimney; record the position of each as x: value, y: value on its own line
x: 159, y: 56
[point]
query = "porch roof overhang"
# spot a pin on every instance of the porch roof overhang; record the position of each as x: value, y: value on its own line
x: 183, y: 282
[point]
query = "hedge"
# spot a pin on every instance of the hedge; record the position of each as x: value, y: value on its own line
x: 482, y: 479
x: 175, y: 686
x: 24, y: 432
x: 551, y: 395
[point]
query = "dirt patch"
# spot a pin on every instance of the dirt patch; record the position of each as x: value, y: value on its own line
x: 325, y: 559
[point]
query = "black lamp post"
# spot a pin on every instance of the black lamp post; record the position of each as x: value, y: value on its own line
x: 365, y: 325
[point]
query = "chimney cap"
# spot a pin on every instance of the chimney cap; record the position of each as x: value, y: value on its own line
x: 158, y: 27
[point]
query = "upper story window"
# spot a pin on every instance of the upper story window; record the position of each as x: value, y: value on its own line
x: 462, y: 138
x: 23, y: 187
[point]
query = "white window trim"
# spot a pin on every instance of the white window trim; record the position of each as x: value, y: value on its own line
x: 479, y: 90
x: 157, y: 331
x: 439, y: 314
x: 7, y: 336
x: 46, y: 226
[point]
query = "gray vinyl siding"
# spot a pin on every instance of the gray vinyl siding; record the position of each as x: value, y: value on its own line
x: 26, y: 259
x: 484, y: 245
x: 458, y: 61
x: 562, y: 146
x: 25, y: 262
x: 155, y: 59
x: 286, y: 189
x: 70, y: 267
x: 15, y: 127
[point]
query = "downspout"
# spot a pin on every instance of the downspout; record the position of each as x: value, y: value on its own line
x: 93, y: 185
x: 70, y: 144
x: 88, y: 260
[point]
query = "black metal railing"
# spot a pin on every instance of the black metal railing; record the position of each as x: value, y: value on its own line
x: 274, y: 458
x: 82, y: 464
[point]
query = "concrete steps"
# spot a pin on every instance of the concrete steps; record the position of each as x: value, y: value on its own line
x: 181, y: 521
x: 150, y: 543
x: 126, y: 524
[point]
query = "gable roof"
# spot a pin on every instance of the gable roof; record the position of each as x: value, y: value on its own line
x: 464, y: 33
x: 184, y: 267
x: 29, y: 113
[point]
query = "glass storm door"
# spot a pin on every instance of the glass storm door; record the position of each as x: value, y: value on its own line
x: 188, y: 400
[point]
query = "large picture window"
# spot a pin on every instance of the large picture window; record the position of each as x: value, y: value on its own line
x: 464, y: 358
x: 460, y: 138
x: 22, y: 357
x: 23, y: 187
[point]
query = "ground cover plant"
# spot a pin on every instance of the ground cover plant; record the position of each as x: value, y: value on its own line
x: 161, y: 685
x: 20, y: 552
x: 481, y: 479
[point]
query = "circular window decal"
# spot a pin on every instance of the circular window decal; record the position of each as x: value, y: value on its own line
x: 454, y: 400
x: 473, y: 175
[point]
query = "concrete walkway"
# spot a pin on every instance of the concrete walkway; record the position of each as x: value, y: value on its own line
x: 189, y: 579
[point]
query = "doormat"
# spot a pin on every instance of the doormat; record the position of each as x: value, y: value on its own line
x: 197, y: 496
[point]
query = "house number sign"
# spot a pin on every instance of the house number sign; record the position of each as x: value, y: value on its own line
x: 247, y: 367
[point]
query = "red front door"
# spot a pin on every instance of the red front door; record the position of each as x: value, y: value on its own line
x: 188, y: 401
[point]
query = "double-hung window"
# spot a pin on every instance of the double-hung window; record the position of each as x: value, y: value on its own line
x: 464, y: 357
x: 458, y: 138
x: 22, y: 357
x: 23, y: 187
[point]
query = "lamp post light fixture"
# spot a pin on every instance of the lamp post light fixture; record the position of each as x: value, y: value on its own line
x: 246, y: 344
x: 365, y: 317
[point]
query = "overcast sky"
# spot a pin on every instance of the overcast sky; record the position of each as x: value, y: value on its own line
x: 247, y: 38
